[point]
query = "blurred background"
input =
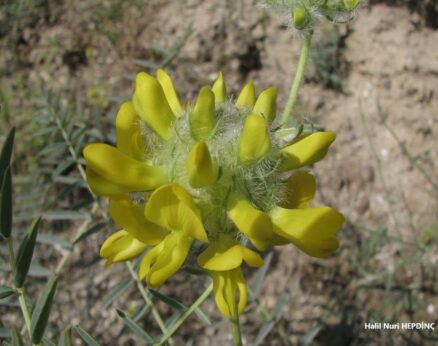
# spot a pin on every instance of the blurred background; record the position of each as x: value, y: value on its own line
x: 67, y: 65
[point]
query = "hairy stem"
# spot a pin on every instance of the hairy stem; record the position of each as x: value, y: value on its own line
x: 299, y: 75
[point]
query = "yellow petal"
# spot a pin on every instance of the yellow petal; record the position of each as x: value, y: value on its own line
x: 200, y: 169
x: 226, y: 254
x: 306, y: 150
x: 215, y: 258
x: 254, y: 141
x: 163, y: 261
x: 131, y: 218
x: 102, y: 187
x: 300, y: 190
x: 266, y: 104
x: 247, y: 96
x: 117, y: 168
x: 218, y: 293
x: 151, y: 104
x: 129, y: 138
x: 202, y: 119
x: 219, y: 89
x: 311, y: 230
x: 121, y: 246
x: 172, y: 208
x: 226, y: 286
x: 255, y: 224
x: 243, y: 291
x: 170, y: 92
x: 251, y: 258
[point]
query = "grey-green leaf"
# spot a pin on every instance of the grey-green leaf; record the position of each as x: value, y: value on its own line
x: 6, y: 292
x: 25, y: 253
x: 41, y: 313
x: 65, y: 338
x: 256, y: 286
x: 129, y: 322
x: 116, y: 292
x: 16, y: 338
x: 5, y: 156
x: 168, y: 300
x: 89, y: 340
x: 6, y: 204
x: 264, y: 332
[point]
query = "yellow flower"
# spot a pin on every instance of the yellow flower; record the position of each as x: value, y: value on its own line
x: 312, y: 230
x: 224, y: 258
x: 121, y: 246
x: 212, y: 172
x: 172, y: 208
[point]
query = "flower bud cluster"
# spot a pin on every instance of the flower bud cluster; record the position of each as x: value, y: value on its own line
x: 305, y: 14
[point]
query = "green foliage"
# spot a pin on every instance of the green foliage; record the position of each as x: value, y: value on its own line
x: 89, y: 340
x: 25, y: 253
x: 6, y: 153
x: 41, y: 313
x: 328, y: 65
x: 6, y: 204
x: 6, y: 292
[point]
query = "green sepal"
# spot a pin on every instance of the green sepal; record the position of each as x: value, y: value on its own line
x: 25, y: 253
x: 5, y: 156
x: 41, y: 313
x: 6, y: 204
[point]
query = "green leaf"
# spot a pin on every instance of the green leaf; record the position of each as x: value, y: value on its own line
x: 4, y: 333
x: 41, y: 313
x: 116, y: 292
x: 65, y: 338
x: 168, y: 300
x: 86, y: 337
x: 256, y: 286
x: 6, y: 292
x: 196, y: 270
x: 130, y: 323
x: 6, y: 204
x: 65, y: 215
x: 25, y: 253
x: 93, y: 229
x: 310, y: 336
x: 52, y: 239
x: 16, y: 338
x: 202, y: 316
x: 5, y: 156
x: 264, y: 332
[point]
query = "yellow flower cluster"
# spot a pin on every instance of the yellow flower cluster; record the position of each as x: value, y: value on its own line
x: 216, y: 172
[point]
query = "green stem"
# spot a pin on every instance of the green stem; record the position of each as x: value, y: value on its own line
x: 299, y: 75
x: 235, y: 331
x: 20, y: 291
x: 147, y: 299
x: 186, y: 314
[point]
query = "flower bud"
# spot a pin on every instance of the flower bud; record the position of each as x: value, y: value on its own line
x: 202, y: 118
x: 300, y: 18
x: 351, y: 4
x: 200, y: 168
x: 254, y: 141
x: 219, y: 89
